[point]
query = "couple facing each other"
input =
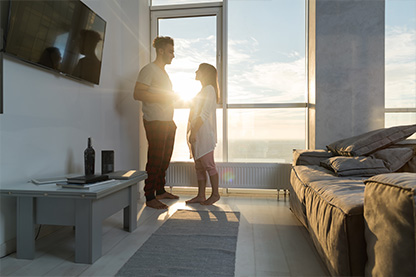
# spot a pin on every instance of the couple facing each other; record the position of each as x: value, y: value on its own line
x: 154, y: 89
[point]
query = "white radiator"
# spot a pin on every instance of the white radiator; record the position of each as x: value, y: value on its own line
x: 234, y: 175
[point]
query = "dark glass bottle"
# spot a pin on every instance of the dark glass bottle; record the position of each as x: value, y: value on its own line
x: 89, y: 159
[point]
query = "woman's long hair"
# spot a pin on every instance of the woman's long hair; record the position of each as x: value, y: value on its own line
x: 210, y: 77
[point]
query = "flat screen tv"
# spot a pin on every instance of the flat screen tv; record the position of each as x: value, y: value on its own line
x: 64, y: 36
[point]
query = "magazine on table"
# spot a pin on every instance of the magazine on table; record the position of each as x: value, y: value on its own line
x: 85, y: 186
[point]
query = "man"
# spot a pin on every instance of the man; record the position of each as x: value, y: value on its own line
x: 154, y: 89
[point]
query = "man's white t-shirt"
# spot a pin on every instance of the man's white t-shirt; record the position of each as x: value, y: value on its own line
x: 159, y: 82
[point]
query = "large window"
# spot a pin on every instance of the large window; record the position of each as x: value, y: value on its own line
x: 196, y: 32
x: 261, y: 62
x: 266, y: 80
x: 266, y: 51
x: 400, y: 63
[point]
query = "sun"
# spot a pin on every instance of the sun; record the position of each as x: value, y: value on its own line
x: 185, y: 85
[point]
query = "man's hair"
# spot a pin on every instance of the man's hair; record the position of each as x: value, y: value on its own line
x: 161, y: 42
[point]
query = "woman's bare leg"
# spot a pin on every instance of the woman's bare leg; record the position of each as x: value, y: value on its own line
x: 201, y: 193
x: 215, y: 195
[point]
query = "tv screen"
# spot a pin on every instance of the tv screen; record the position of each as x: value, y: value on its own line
x: 65, y: 36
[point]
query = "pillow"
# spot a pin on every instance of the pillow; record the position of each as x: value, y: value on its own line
x: 394, y: 158
x: 355, y: 166
x: 410, y: 166
x: 310, y: 157
x: 367, y: 143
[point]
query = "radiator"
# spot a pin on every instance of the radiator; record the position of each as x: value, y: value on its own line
x: 234, y: 175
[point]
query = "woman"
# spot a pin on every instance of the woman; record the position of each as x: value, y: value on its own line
x: 202, y: 133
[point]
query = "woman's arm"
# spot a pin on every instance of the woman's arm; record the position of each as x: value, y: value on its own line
x: 197, y: 123
x: 208, y: 107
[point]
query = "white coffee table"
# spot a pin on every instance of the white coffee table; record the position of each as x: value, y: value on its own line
x: 84, y: 209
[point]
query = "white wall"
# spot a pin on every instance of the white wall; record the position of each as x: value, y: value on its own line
x: 48, y: 118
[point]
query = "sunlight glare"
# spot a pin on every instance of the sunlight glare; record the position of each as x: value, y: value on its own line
x: 185, y: 85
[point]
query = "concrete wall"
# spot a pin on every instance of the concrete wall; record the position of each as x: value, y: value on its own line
x: 346, y: 69
x: 48, y: 118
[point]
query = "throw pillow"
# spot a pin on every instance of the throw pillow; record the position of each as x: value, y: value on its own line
x: 367, y: 143
x: 310, y: 157
x: 394, y: 158
x: 355, y: 166
x: 410, y: 166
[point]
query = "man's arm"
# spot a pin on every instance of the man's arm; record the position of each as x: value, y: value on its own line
x: 141, y: 93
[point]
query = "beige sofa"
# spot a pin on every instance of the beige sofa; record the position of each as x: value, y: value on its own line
x: 328, y: 195
x: 390, y: 221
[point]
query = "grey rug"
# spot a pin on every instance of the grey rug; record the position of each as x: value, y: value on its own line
x: 189, y: 243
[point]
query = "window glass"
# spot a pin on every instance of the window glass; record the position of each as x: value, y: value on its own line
x: 177, y: 2
x: 195, y: 43
x: 181, y: 149
x: 266, y: 51
x: 266, y: 64
x: 265, y: 135
x: 395, y: 119
x: 400, y: 55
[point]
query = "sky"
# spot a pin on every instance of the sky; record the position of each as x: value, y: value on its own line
x: 400, y: 53
x: 266, y: 61
x: 271, y: 60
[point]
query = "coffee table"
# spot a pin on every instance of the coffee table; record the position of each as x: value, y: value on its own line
x: 83, y: 208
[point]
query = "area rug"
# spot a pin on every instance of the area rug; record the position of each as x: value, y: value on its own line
x: 189, y: 243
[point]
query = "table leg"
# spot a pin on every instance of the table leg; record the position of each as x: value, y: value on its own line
x: 25, y: 237
x: 130, y: 212
x: 88, y: 234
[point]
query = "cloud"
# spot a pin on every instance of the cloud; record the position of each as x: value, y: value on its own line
x: 400, y: 68
x: 249, y: 81
x: 240, y: 52
x: 189, y: 53
x: 253, y: 81
x: 400, y: 44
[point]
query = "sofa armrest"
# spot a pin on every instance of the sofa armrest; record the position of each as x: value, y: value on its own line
x: 389, y: 212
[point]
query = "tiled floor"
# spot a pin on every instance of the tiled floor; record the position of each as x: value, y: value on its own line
x: 271, y: 242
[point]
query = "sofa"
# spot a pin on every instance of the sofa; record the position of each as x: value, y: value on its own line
x: 357, y: 200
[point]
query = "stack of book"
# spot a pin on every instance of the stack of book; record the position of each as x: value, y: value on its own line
x: 88, y: 181
x: 85, y: 181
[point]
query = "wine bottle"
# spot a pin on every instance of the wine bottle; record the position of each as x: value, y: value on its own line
x: 89, y: 159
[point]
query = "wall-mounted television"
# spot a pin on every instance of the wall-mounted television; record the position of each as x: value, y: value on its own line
x: 64, y: 36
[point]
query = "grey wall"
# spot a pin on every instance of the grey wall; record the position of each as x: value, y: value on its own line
x: 346, y: 69
x: 48, y: 118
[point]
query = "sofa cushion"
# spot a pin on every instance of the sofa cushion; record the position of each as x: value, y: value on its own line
x: 355, y: 166
x: 394, y: 158
x: 310, y: 157
x: 367, y: 143
x: 334, y: 216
